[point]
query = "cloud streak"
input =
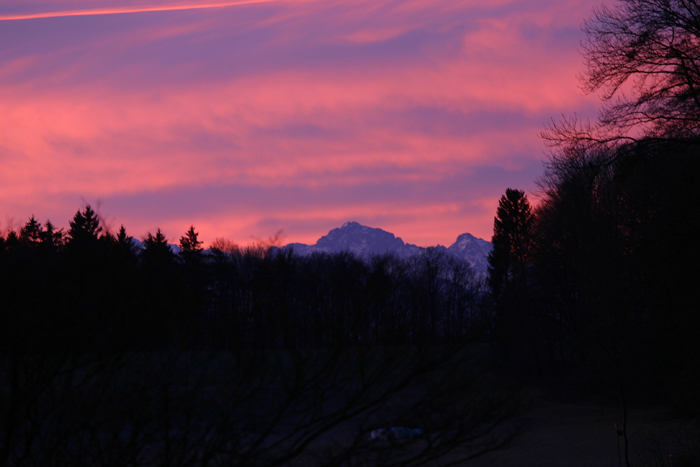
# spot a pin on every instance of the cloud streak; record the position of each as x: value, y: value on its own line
x: 126, y: 10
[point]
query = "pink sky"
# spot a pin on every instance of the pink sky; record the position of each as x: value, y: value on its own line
x: 245, y: 118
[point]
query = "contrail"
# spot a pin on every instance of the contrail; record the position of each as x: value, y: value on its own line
x: 124, y: 10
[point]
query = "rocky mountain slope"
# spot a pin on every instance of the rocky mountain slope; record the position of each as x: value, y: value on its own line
x: 367, y: 241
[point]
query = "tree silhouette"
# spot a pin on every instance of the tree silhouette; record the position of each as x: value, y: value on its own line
x: 508, y: 274
x: 655, y: 44
x: 156, y: 251
x: 104, y: 356
x: 51, y: 238
x: 189, y: 242
x: 644, y: 55
x: 125, y: 246
x: 12, y: 241
x: 84, y: 228
x: 31, y: 233
x: 511, y: 241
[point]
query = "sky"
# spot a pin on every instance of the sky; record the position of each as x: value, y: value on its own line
x: 247, y: 118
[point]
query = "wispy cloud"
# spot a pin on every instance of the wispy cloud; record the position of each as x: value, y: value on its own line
x: 125, y: 10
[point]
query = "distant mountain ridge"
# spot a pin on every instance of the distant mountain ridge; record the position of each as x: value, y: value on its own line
x: 473, y: 249
x: 366, y: 241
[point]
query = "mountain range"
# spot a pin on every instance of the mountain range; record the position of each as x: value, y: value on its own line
x: 366, y: 241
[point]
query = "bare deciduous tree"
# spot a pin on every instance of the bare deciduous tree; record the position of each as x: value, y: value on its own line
x: 644, y: 55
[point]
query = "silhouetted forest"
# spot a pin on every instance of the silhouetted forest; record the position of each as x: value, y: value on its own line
x: 88, y: 287
x: 112, y: 354
x: 600, y: 279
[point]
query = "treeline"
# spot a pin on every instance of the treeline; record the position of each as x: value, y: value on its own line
x: 601, y: 277
x: 87, y: 287
x: 113, y: 355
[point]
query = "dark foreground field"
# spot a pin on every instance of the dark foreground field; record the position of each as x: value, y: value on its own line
x: 573, y: 431
x: 317, y: 408
x: 254, y: 408
x: 568, y: 429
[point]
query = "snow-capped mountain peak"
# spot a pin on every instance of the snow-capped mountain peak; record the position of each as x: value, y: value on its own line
x: 367, y: 241
x: 473, y: 249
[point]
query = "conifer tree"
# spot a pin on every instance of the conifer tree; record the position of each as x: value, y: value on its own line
x: 511, y: 240
x: 50, y: 237
x: 85, y: 227
x: 12, y: 241
x: 190, y: 242
x: 31, y: 233
x: 156, y: 251
x: 124, y: 243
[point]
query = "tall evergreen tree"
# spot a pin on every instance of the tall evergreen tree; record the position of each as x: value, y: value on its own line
x: 12, y: 241
x: 31, y: 233
x: 125, y: 244
x: 511, y: 241
x: 156, y: 250
x: 51, y: 238
x: 85, y: 227
x: 190, y: 242
x: 508, y: 276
